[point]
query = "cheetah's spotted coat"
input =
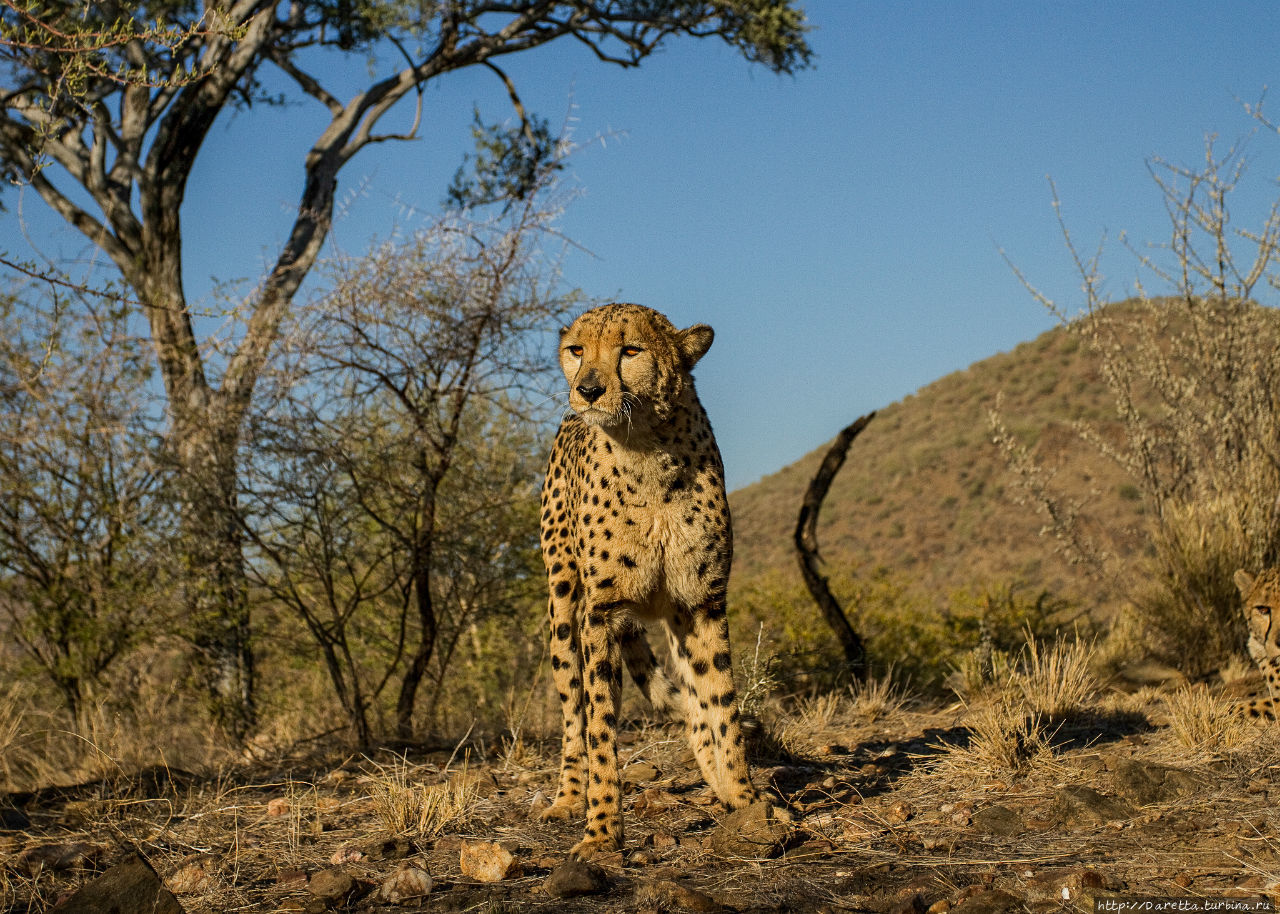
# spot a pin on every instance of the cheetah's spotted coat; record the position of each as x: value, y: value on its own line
x: 1261, y: 606
x: 635, y: 529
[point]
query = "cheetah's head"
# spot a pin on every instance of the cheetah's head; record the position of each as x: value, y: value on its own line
x: 628, y: 365
x: 1261, y: 595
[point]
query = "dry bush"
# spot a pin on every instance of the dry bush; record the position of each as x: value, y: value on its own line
x: 1195, y: 377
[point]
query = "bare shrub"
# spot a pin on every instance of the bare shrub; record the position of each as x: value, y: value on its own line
x: 1194, y: 372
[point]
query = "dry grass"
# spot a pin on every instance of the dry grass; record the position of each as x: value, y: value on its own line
x: 1204, y: 722
x: 1057, y: 681
x: 409, y: 808
x: 877, y: 699
x: 1003, y: 740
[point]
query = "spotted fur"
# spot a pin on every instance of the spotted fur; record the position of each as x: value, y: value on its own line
x: 635, y: 529
x: 1261, y: 606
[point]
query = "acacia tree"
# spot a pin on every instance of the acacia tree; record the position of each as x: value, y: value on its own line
x: 120, y: 152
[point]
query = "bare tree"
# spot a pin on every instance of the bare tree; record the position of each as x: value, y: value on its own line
x: 120, y: 154
x: 82, y: 507
x: 416, y: 355
x: 1193, y: 365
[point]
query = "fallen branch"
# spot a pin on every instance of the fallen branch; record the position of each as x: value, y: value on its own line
x: 806, y: 540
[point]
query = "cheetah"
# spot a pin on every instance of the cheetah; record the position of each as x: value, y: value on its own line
x: 1261, y: 598
x: 635, y: 530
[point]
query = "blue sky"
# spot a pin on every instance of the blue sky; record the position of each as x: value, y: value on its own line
x: 840, y: 229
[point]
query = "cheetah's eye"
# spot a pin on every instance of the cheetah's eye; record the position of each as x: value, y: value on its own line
x: 1262, y: 610
x: 574, y: 350
x: 629, y: 351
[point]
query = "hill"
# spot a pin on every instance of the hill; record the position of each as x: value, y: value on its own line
x: 927, y: 496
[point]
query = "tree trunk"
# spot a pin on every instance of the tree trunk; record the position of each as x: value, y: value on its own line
x: 421, y: 578
x: 806, y: 539
x: 215, y: 590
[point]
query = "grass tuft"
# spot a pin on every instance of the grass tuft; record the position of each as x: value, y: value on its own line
x: 411, y: 809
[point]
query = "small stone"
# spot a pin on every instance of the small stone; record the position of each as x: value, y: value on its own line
x: 73, y: 855
x: 660, y: 839
x: 131, y: 885
x: 1145, y: 783
x: 405, y: 883
x: 1183, y: 880
x: 989, y: 901
x: 758, y: 830
x: 278, y: 806
x: 999, y: 820
x: 668, y: 895
x: 899, y: 812
x: 1084, y: 804
x: 194, y: 875
x: 347, y: 853
x: 574, y: 878
x: 328, y: 804
x: 653, y: 802
x: 487, y: 861
x: 332, y: 886
x: 642, y: 771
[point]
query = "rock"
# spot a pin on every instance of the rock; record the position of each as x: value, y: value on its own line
x: 642, y: 771
x: 1145, y: 783
x: 758, y: 830
x: 668, y: 895
x: 998, y: 820
x: 195, y: 874
x: 1064, y: 885
x: 406, y: 882
x: 1073, y: 805
x: 389, y: 848
x: 129, y: 886
x: 332, y: 886
x: 898, y: 813
x: 574, y: 878
x: 278, y: 806
x: 654, y: 802
x: 989, y: 901
x: 58, y: 857
x: 487, y: 861
x: 911, y: 904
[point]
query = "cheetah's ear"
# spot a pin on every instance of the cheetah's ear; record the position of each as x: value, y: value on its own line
x: 1244, y: 581
x: 693, y: 344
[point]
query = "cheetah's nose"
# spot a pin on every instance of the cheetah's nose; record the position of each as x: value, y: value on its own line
x: 590, y: 394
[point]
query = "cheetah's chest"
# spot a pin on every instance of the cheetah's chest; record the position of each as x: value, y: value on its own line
x: 653, y: 529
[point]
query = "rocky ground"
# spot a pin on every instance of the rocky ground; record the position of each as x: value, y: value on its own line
x: 897, y: 811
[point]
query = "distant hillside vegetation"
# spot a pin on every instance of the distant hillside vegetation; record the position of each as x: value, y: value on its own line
x: 927, y: 496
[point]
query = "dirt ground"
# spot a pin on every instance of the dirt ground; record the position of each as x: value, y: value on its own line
x: 895, y: 814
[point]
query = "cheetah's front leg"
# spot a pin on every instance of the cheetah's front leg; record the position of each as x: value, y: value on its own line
x: 602, y: 667
x: 566, y: 673
x: 700, y: 647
